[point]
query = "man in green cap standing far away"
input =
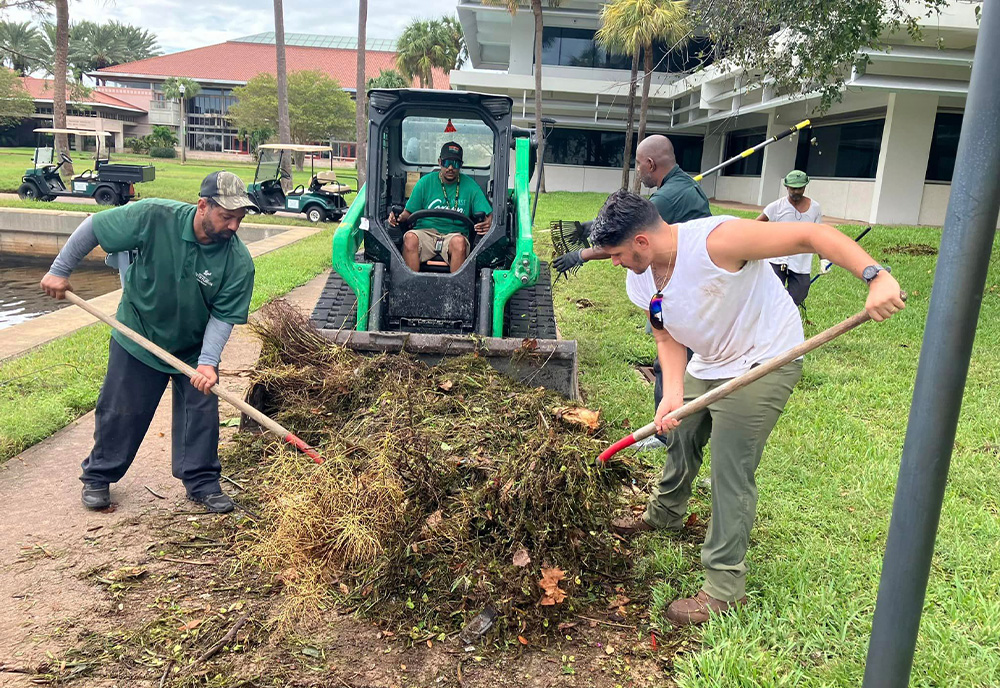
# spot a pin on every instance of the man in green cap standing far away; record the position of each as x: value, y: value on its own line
x: 190, y: 282
x: 793, y: 271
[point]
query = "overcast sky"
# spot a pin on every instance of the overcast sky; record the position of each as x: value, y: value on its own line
x: 185, y: 24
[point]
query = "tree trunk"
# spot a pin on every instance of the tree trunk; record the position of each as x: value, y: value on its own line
x: 361, y: 99
x: 284, y: 122
x: 630, y: 121
x: 184, y: 155
x: 536, y: 10
x: 646, y: 79
x: 59, y: 85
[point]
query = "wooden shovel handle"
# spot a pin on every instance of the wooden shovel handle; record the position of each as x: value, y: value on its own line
x: 168, y: 358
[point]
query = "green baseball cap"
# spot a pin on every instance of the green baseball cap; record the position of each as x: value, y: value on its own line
x: 796, y: 179
x: 226, y: 189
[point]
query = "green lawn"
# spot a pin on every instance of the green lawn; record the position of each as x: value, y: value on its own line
x: 826, y: 483
x: 173, y: 179
x: 45, y: 389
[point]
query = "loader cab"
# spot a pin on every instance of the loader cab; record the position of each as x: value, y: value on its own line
x: 406, y: 131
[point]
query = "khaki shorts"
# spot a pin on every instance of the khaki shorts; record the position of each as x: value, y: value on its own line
x: 433, y: 243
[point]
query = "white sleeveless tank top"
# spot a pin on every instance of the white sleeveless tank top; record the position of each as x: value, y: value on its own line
x: 730, y: 320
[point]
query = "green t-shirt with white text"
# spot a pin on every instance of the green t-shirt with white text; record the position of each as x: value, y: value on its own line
x: 465, y: 196
x: 175, y: 283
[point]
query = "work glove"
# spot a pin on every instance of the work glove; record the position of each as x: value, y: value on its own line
x: 825, y: 266
x: 568, y: 262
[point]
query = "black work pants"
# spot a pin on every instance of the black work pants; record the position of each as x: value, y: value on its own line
x: 796, y: 283
x: 125, y: 407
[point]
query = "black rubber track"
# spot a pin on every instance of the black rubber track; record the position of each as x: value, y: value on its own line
x: 337, y: 305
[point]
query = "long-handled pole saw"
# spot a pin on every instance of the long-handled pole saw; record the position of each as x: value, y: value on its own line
x: 740, y: 382
x: 750, y: 151
x: 168, y: 358
x: 571, y: 235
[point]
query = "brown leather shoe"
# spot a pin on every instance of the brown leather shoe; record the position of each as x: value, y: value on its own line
x: 697, y: 610
x: 630, y: 526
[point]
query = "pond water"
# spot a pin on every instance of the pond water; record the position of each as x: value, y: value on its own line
x: 21, y: 299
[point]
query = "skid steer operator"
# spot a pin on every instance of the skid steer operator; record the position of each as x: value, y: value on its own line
x: 447, y: 189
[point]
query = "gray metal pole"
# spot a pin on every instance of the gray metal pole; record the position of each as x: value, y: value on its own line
x: 967, y: 242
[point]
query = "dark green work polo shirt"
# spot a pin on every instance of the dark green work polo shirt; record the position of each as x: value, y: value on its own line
x: 680, y: 198
x: 175, y: 283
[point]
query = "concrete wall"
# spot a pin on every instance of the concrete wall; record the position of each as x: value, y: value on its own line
x: 934, y: 204
x: 578, y: 178
x: 44, y: 232
x: 739, y: 189
x: 39, y: 232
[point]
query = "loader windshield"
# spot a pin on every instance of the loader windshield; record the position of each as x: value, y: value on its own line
x: 424, y: 136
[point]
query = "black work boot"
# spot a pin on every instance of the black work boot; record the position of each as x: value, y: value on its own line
x: 217, y: 502
x: 96, y: 495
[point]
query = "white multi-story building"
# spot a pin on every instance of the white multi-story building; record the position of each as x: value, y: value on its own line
x: 884, y: 154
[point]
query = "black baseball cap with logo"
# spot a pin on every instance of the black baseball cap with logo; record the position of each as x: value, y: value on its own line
x: 451, y: 151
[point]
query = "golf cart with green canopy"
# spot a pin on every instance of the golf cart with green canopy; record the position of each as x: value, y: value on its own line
x: 107, y: 183
x: 498, y: 304
x: 323, y: 200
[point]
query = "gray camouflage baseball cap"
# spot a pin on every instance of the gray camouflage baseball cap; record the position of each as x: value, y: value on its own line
x: 226, y: 189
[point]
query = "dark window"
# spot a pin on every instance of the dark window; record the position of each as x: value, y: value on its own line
x: 578, y: 48
x: 688, y: 151
x: 594, y: 148
x: 739, y: 141
x: 944, y: 146
x: 841, y: 150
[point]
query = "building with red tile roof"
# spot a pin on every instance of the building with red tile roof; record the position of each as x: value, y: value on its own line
x: 222, y: 67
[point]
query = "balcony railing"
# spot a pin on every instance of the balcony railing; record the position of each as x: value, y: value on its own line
x: 165, y: 112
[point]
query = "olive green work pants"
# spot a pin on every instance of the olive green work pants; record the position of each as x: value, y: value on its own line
x: 738, y: 427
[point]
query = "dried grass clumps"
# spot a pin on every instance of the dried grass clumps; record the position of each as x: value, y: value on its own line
x: 445, y: 490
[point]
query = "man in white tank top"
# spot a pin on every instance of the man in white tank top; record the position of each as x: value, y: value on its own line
x: 793, y: 271
x: 706, y: 285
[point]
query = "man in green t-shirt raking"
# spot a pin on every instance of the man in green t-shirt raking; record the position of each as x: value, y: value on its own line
x: 190, y: 282
x: 447, y: 189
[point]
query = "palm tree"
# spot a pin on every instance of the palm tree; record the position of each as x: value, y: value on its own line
x: 420, y: 49
x: 284, y: 121
x: 453, y: 38
x: 536, y: 11
x: 181, y: 89
x: 360, y: 100
x: 135, y: 43
x: 60, y: 67
x: 22, y: 45
x: 631, y: 26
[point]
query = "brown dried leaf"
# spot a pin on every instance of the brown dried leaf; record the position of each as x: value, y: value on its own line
x: 433, y: 521
x: 446, y: 385
x: 521, y: 639
x: 549, y: 584
x: 521, y: 558
x: 577, y: 415
x: 190, y: 625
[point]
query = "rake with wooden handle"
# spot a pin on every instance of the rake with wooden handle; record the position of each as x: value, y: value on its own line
x: 168, y: 358
x: 709, y: 398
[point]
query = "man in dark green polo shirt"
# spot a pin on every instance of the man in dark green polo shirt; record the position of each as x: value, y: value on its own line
x: 190, y: 282
x: 447, y: 189
x: 677, y: 196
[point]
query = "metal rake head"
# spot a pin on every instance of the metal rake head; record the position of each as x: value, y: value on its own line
x: 569, y: 235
